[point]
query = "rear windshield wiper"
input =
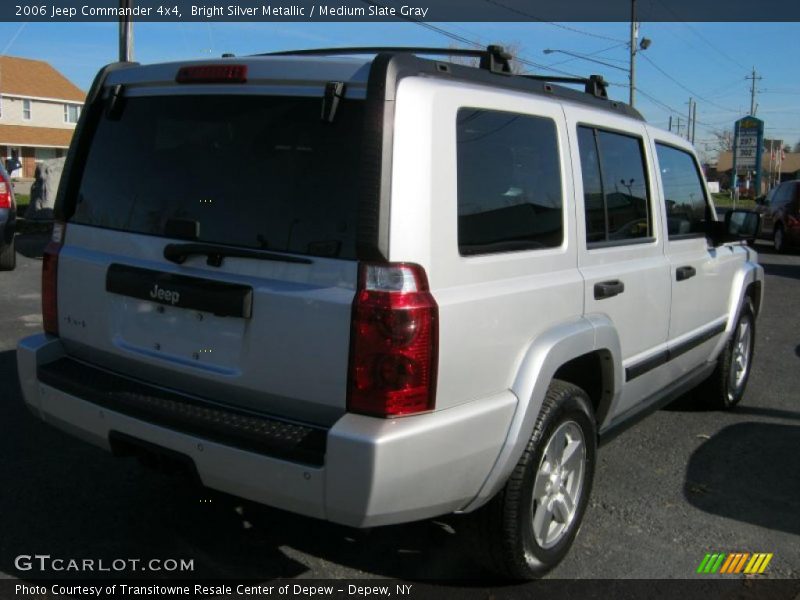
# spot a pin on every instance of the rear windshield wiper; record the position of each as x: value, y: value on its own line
x: 214, y: 253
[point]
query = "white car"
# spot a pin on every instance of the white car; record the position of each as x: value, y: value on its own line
x: 372, y: 288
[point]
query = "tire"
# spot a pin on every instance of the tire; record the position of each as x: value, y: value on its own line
x: 8, y: 256
x: 779, y: 239
x: 502, y: 531
x: 725, y: 387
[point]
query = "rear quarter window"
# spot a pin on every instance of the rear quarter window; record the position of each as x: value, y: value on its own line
x: 509, y: 182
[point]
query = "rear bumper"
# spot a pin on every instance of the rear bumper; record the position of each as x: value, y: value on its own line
x: 371, y: 471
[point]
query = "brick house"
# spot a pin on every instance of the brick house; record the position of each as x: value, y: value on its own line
x: 39, y: 108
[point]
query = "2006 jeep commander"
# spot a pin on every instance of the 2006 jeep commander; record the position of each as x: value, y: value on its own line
x: 383, y: 288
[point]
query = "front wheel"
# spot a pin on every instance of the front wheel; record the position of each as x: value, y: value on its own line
x: 725, y: 388
x: 527, y: 529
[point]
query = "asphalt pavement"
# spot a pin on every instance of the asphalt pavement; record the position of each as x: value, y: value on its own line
x: 683, y: 482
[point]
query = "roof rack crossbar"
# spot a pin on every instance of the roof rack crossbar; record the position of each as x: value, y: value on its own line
x: 493, y: 58
x: 594, y: 84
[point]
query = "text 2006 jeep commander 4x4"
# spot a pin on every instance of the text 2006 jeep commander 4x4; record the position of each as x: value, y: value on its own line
x: 376, y: 289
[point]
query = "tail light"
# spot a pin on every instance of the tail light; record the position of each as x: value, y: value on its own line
x: 50, y: 279
x: 5, y: 194
x: 394, y: 345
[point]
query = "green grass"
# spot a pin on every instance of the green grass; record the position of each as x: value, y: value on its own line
x: 22, y: 203
x: 723, y: 200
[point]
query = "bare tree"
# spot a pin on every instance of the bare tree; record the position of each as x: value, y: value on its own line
x: 723, y: 141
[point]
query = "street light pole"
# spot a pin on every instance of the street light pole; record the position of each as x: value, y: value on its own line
x: 634, y: 35
x: 126, y: 31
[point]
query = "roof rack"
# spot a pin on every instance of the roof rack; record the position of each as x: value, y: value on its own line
x: 493, y: 58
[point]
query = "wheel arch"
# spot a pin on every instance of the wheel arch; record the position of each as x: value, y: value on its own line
x: 566, y: 349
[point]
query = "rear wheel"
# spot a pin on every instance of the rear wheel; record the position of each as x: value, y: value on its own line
x: 779, y: 239
x: 725, y: 388
x: 8, y: 257
x: 527, y: 529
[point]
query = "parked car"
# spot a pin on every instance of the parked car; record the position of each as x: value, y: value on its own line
x: 422, y: 288
x: 780, y: 215
x: 8, y: 219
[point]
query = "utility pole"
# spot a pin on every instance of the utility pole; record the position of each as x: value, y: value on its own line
x: 679, y: 126
x: 126, y: 31
x: 694, y: 120
x: 753, y: 79
x: 634, y: 35
x: 670, y: 123
x: 689, y: 123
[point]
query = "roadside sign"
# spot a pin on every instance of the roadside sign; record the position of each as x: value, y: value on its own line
x: 748, y: 139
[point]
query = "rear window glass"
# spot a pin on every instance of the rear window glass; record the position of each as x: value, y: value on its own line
x: 252, y: 171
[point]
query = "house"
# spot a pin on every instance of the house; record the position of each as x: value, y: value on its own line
x: 39, y: 108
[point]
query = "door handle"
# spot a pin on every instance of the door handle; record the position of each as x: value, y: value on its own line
x: 608, y: 289
x: 682, y: 273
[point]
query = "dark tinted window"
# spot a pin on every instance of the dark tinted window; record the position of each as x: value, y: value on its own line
x: 263, y: 172
x: 684, y: 194
x: 593, y: 200
x: 784, y: 195
x: 509, y: 182
x: 615, y: 186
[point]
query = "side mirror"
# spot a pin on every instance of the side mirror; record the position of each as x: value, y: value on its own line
x: 743, y: 224
x: 738, y: 226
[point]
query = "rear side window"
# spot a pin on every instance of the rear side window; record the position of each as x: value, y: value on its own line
x: 252, y: 171
x: 684, y: 192
x: 615, y: 196
x: 509, y: 182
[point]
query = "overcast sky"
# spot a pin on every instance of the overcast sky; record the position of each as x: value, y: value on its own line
x: 707, y: 61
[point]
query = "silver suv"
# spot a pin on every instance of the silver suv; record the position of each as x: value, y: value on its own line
x: 377, y: 289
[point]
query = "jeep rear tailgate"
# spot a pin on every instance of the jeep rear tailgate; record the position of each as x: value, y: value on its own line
x: 212, y: 248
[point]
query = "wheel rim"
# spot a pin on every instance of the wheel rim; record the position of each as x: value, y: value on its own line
x: 558, y: 484
x: 740, y: 357
x: 778, y: 238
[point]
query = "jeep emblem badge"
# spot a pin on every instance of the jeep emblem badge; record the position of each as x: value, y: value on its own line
x: 170, y: 296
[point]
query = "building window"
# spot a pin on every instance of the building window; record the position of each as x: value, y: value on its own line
x: 509, y: 182
x: 71, y: 112
x: 26, y: 110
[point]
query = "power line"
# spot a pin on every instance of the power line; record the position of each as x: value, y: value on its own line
x: 702, y: 37
x: 595, y: 53
x: 464, y: 40
x: 692, y: 92
x: 670, y: 109
x: 559, y: 25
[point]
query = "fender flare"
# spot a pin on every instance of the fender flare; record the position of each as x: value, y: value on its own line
x: 750, y: 272
x: 541, y: 360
